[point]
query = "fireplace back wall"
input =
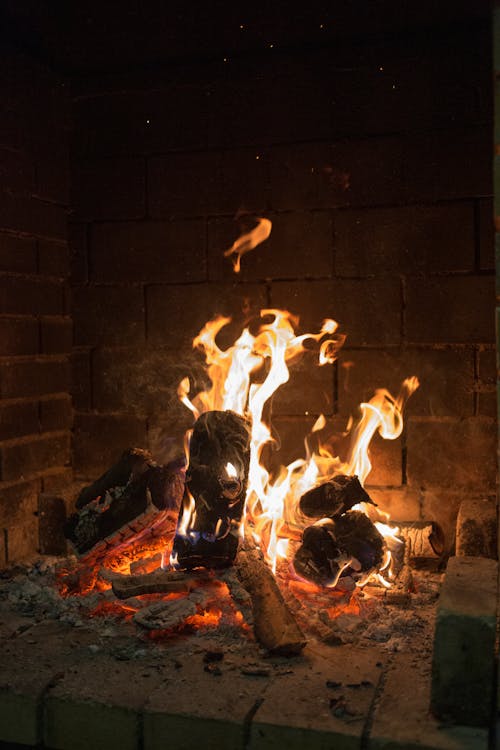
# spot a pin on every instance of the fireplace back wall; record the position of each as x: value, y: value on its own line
x: 372, y: 158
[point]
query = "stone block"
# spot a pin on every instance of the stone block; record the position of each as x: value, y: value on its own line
x: 477, y: 528
x: 402, y: 504
x: 466, y: 450
x: 300, y: 246
x: 29, y: 214
x: 464, y: 642
x: 170, y: 251
x: 53, y: 259
x: 368, y: 310
x: 56, y: 414
x: 109, y: 188
x: 450, y: 310
x: 18, y: 521
x: 441, y: 505
x: 34, y: 378
x: 184, y: 184
x: 108, y: 315
x: 386, y: 457
x: 410, y: 726
x: 81, y: 379
x: 30, y: 296
x: 56, y: 335
x: 78, y: 252
x: 18, y: 419
x: 486, y: 235
x: 17, y: 254
x: 298, y: 709
x: 405, y: 239
x: 24, y: 456
x: 18, y: 336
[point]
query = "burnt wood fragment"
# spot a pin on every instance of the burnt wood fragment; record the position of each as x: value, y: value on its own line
x: 132, y: 463
x: 348, y: 545
x: 274, y: 626
x: 159, y: 582
x: 216, y: 480
x: 333, y: 498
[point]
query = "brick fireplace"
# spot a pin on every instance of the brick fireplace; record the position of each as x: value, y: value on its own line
x: 128, y: 166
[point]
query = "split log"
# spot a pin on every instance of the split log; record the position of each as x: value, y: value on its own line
x: 150, y: 499
x: 333, y: 498
x: 422, y: 538
x: 216, y: 479
x: 349, y: 545
x: 275, y: 627
x: 161, y: 582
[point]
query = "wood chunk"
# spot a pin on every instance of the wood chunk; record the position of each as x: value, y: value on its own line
x: 274, y: 625
x: 132, y: 463
x: 333, y: 498
x: 165, y: 615
x: 422, y: 538
x: 216, y: 479
x: 162, y: 582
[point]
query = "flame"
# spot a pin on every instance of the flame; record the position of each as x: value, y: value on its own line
x: 248, y: 241
x: 272, y: 501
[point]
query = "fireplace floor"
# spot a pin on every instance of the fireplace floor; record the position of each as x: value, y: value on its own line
x: 97, y: 683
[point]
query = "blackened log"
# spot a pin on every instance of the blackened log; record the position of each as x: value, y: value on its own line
x: 160, y: 582
x: 216, y: 479
x: 123, y: 512
x: 275, y: 627
x: 349, y: 545
x: 333, y: 498
x: 132, y: 463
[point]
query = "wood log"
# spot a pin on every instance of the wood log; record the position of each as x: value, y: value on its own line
x: 349, y: 545
x: 132, y: 463
x: 422, y: 538
x: 152, y: 497
x: 216, y: 479
x: 161, y: 582
x: 275, y: 627
x: 333, y: 498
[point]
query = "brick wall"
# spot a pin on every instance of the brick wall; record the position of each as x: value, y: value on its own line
x: 373, y: 162
x: 35, y: 325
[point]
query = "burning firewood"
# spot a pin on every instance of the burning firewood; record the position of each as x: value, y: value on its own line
x: 208, y: 530
x: 150, y: 495
x: 346, y: 545
x: 160, y: 582
x: 333, y: 498
x: 274, y: 625
x: 422, y: 538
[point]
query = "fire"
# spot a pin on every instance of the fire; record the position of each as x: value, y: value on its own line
x: 271, y: 508
x: 248, y: 241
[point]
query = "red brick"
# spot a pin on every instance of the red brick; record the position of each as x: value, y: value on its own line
x: 53, y: 259
x: 81, y: 379
x: 30, y: 296
x: 406, y: 239
x: 18, y: 336
x: 451, y: 310
x: 20, y: 458
x: 18, y: 419
x: 100, y: 439
x: 446, y: 379
x: 300, y: 246
x: 34, y: 378
x: 184, y: 184
x: 141, y: 122
x: 176, y: 314
x: 486, y: 235
x: 172, y: 251
x: 57, y: 335
x: 108, y: 314
x: 78, y: 252
x: 17, y: 254
x: 452, y: 453
x: 109, y: 188
x: 369, y: 311
x: 18, y: 507
x: 32, y: 215
x: 56, y: 414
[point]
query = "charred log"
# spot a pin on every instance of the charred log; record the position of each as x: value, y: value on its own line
x: 152, y: 496
x: 216, y: 480
x: 349, y: 545
x: 333, y: 498
x: 161, y: 582
x: 274, y: 625
x: 132, y: 464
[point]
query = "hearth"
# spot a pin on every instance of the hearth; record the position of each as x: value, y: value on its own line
x: 252, y: 562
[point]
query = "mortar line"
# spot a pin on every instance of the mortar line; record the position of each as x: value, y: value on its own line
x: 379, y: 689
